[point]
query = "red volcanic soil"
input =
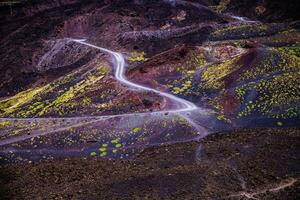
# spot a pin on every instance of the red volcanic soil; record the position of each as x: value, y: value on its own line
x: 230, y: 104
x: 162, y: 65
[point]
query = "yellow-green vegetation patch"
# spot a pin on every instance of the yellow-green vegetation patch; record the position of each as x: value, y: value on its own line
x: 221, y: 7
x: 137, y: 56
x: 283, y: 59
x: 102, y: 149
x: 179, y: 119
x: 222, y: 117
x: 185, y: 86
x: 93, y: 153
x: 76, y: 89
x: 14, y: 103
x: 215, y: 103
x: 103, y: 154
x: 214, y: 74
x: 277, y: 97
x: 4, y: 124
x: 115, y: 141
x: 279, y: 124
x: 246, y: 31
x: 137, y: 129
x: 118, y: 145
x: 187, y: 71
x: 104, y: 145
x: 56, y: 96
x: 86, y: 100
x: 289, y: 37
x: 269, y: 88
x: 277, y: 88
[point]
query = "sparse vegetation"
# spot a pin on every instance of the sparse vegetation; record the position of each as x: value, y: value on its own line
x: 247, y: 31
x: 134, y: 102
x: 137, y: 57
x: 222, y: 5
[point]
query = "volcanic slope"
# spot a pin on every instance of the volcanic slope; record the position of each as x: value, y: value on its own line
x: 245, y: 70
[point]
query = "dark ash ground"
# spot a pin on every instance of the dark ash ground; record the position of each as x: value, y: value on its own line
x: 245, y: 164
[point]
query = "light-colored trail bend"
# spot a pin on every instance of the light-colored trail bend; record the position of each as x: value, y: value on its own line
x: 182, y: 105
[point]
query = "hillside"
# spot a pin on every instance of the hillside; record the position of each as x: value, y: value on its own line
x: 102, y: 80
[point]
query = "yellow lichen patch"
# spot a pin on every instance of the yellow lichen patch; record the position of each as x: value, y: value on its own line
x: 179, y: 119
x: 56, y: 95
x: 101, y: 69
x: 137, y: 129
x: 115, y: 141
x: 187, y: 72
x: 246, y: 31
x: 10, y: 105
x: 106, y: 104
x: 192, y: 65
x: 186, y: 85
x: 73, y: 91
x: 137, y: 56
x: 32, y: 109
x: 177, y: 90
x: 274, y: 80
x: 4, y: 124
x: 213, y: 74
x: 222, y: 5
x: 223, y: 118
x: 86, y: 101
x: 277, y: 97
x: 278, y: 60
x: 215, y: 103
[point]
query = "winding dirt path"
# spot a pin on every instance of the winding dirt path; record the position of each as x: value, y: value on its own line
x: 182, y: 105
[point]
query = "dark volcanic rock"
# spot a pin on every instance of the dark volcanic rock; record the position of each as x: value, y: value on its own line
x: 263, y: 163
x: 266, y: 10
